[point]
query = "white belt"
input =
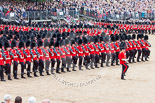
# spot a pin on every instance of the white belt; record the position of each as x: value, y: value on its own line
x: 28, y: 56
x: 1, y: 58
x: 58, y: 55
x: 15, y: 56
x: 41, y: 55
x: 8, y: 58
x: 46, y: 56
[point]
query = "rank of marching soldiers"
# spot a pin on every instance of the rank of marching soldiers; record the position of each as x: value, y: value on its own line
x: 77, y: 85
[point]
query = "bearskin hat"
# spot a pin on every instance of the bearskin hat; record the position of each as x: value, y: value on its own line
x: 133, y: 36
x: 28, y: 42
x: 96, y: 40
x: 33, y: 44
x: 40, y: 43
x: 138, y: 36
x: 146, y: 37
x: 66, y: 42
x: 6, y: 45
x: 46, y: 43
x: 101, y: 39
x: 73, y: 41
x: 80, y: 42
x: 57, y: 44
x: 21, y: 44
x: 13, y: 43
x: 129, y: 37
x: 113, y: 38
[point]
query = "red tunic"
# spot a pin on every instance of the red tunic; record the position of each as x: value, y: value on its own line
x: 21, y: 57
x: 80, y: 53
x: 86, y: 52
x: 112, y: 48
x: 92, y: 49
x: 102, y: 48
x: 74, y: 51
x: 118, y: 48
x: 63, y: 54
x: 27, y: 56
x: 122, y: 55
x: 57, y: 54
x: 1, y: 59
x: 41, y: 55
x: 34, y: 55
x: 8, y: 58
x: 15, y: 55
x: 51, y: 54
x: 46, y: 55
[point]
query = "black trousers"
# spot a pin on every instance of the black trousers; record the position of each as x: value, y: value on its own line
x: 124, y: 69
x: 131, y: 55
x: 58, y: 65
x: 68, y: 61
x: 96, y: 59
x: 22, y: 68
x: 147, y: 53
x: 103, y: 57
x: 1, y: 72
x: 15, y: 64
x: 80, y: 60
x: 35, y: 66
x: 139, y: 54
x: 8, y: 68
x: 87, y: 59
x: 92, y: 57
x: 28, y: 67
x: 63, y: 62
x: 74, y: 59
x: 47, y: 64
x: 117, y: 53
x: 41, y: 66
x: 108, y: 58
x: 134, y: 54
x: 143, y: 53
x: 113, y: 55
x: 52, y: 65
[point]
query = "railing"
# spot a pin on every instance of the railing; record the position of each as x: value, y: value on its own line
x: 58, y: 14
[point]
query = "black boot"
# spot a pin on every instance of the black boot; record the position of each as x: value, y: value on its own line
x: 48, y: 73
x: 28, y: 74
x: 9, y: 77
x: 91, y: 65
x: 87, y: 66
x: 22, y: 76
x: 80, y: 67
x: 68, y: 70
x: 57, y: 70
x: 74, y: 67
x: 35, y: 74
x: 62, y: 70
x: 52, y: 71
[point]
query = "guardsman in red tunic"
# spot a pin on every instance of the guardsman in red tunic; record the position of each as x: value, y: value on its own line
x: 103, y: 51
x: 2, y: 56
x: 52, y: 56
x: 34, y: 56
x: 74, y: 55
x: 122, y: 59
x: 86, y: 53
x: 92, y: 52
x: 130, y: 44
x: 113, y: 47
x: 80, y: 54
x: 21, y: 58
x: 63, y: 55
x: 41, y: 57
x: 147, y: 44
x: 8, y: 60
x: 96, y: 47
x: 14, y: 57
x: 46, y: 55
x: 117, y: 43
x: 57, y: 55
x: 143, y: 47
x: 108, y: 49
x: 139, y: 49
x: 68, y: 55
x: 28, y: 57
x: 134, y: 43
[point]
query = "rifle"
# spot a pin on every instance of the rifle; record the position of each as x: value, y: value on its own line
x: 18, y: 52
x: 115, y: 45
x: 50, y: 52
x: 37, y: 52
x: 25, y: 52
x: 44, y: 51
x: 70, y: 49
x: 76, y: 49
x: 31, y: 53
x: 10, y: 52
x: 3, y: 54
x: 109, y: 46
x: 55, y: 51
x: 147, y: 43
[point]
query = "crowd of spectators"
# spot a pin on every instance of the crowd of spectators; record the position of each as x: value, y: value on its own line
x: 18, y: 99
x: 105, y: 8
